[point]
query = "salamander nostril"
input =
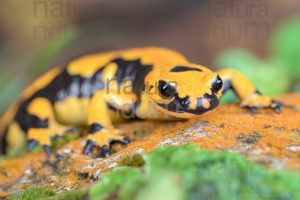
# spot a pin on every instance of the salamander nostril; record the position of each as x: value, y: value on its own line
x: 217, y: 84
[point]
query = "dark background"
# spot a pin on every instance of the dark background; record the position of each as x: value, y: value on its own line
x: 37, y: 34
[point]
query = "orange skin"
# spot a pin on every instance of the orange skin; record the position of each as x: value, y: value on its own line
x: 169, y: 87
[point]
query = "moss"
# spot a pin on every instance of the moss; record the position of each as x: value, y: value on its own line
x: 34, y: 193
x: 285, y: 46
x: 60, y: 141
x: 71, y: 195
x: 188, y: 172
x: 48, y: 194
x: 135, y: 160
x: 122, y: 183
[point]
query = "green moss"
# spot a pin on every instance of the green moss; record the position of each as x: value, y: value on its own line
x: 34, y: 193
x: 285, y: 46
x: 48, y: 194
x: 71, y: 195
x: 60, y: 141
x: 188, y: 172
x: 135, y: 160
x: 122, y: 183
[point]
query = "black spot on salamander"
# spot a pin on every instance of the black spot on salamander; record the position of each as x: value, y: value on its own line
x: 62, y: 86
x: 184, y: 69
x: 65, y: 85
x: 213, y: 100
x: 226, y: 85
x: 95, y: 127
x: 36, y: 122
x: 181, y: 105
x: 132, y: 70
x: 185, y: 102
x: 135, y: 71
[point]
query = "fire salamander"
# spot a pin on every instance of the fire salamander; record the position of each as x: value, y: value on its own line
x: 95, y: 90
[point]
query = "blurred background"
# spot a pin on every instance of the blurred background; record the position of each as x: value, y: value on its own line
x: 261, y: 38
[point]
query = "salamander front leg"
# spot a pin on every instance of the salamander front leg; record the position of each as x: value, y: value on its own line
x: 103, y: 139
x: 249, y: 96
x: 101, y: 134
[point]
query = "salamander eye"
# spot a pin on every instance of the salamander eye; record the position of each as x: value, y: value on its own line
x: 217, y: 84
x: 166, y: 90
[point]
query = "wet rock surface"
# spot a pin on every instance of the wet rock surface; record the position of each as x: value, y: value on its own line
x: 267, y: 138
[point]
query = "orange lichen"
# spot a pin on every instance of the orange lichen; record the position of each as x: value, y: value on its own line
x: 267, y: 138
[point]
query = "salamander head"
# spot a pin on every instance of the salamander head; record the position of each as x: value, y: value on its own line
x: 184, y: 91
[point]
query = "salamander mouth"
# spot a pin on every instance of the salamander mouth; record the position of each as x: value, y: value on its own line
x: 181, y: 105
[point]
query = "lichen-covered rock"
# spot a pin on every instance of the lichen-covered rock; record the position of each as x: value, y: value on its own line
x: 268, y: 138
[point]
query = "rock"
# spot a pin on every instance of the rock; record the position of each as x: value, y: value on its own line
x: 270, y: 139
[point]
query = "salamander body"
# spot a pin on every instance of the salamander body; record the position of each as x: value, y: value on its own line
x: 95, y: 90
